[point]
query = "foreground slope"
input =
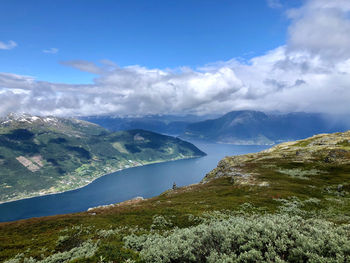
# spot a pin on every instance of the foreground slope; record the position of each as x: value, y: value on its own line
x: 319, y: 158
x: 41, y: 155
x: 287, y: 204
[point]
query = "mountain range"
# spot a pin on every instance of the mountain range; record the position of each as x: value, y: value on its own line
x: 236, y: 127
x: 166, y: 124
x: 254, y: 127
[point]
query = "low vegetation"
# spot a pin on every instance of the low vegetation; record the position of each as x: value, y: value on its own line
x: 253, y: 238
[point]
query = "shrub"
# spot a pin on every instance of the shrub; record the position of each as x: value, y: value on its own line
x: 267, y: 238
x: 73, y: 237
x: 160, y: 223
x: 85, y: 250
x: 106, y: 233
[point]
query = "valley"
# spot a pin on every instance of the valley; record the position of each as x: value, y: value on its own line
x: 44, y: 155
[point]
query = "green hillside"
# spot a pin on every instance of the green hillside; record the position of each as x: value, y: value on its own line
x: 41, y: 155
x: 290, y: 203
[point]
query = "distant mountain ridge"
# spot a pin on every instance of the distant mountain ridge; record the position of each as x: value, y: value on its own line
x: 166, y: 124
x: 52, y: 123
x: 236, y: 127
x: 255, y: 127
x: 41, y: 155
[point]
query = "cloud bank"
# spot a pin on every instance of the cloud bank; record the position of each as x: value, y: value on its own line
x: 311, y: 73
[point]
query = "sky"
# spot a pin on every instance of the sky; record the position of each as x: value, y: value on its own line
x: 104, y: 57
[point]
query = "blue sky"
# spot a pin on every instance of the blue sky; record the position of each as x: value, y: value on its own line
x: 155, y: 33
x: 101, y: 57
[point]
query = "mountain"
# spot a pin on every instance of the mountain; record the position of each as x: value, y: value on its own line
x: 254, y: 127
x: 41, y: 155
x: 166, y: 124
x: 290, y: 203
x: 236, y: 127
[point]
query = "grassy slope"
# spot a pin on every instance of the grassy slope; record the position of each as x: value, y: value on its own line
x: 74, y: 153
x: 318, y: 168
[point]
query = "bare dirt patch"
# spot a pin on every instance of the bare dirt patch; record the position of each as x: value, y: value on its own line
x: 28, y: 164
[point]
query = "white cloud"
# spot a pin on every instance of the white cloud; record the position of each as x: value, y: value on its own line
x: 303, y: 75
x: 321, y: 28
x: 51, y: 50
x: 9, y: 45
x: 83, y: 66
x: 274, y: 3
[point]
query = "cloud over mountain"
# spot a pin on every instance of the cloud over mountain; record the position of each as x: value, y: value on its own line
x: 310, y: 73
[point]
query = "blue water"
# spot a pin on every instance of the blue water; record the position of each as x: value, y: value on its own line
x: 145, y: 181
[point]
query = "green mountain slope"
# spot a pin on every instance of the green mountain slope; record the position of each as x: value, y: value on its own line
x: 41, y: 155
x: 290, y: 203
